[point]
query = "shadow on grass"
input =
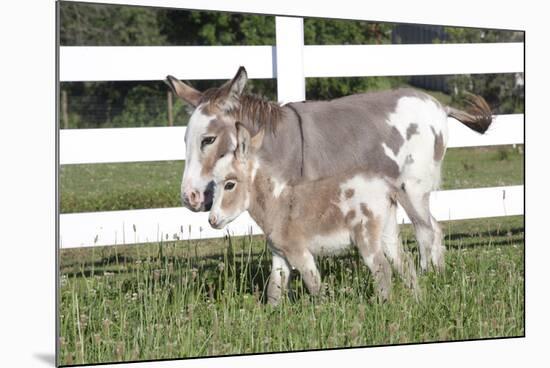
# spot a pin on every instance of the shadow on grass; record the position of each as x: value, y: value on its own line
x: 492, y: 233
x: 474, y: 239
x: 247, y: 262
x: 246, y: 271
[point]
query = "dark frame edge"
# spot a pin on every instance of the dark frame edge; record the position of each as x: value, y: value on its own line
x: 56, y: 185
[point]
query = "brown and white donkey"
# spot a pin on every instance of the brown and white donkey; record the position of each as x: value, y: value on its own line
x: 305, y: 219
x: 399, y: 134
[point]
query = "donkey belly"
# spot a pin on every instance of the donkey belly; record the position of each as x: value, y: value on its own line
x: 331, y: 243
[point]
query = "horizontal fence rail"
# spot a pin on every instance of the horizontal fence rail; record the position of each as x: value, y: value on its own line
x: 424, y: 59
x: 120, y: 63
x: 291, y: 62
x: 167, y: 224
x: 84, y: 146
x: 81, y: 146
x: 130, y: 63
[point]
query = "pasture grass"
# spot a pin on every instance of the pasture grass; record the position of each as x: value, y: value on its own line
x: 121, y: 186
x: 206, y: 297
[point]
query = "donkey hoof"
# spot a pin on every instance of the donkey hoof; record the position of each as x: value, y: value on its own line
x: 439, y: 267
x: 273, y: 301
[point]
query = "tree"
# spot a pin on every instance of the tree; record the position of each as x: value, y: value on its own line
x: 503, y: 92
x: 95, y: 104
x: 341, y: 32
x: 96, y: 25
x: 98, y: 104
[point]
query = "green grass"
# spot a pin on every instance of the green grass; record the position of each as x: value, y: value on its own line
x: 106, y: 187
x: 482, y: 167
x: 201, y: 298
x: 121, y: 186
x: 206, y: 297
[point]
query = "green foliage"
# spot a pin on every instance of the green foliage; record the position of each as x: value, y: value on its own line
x: 501, y: 91
x: 327, y: 88
x: 143, y: 107
x: 476, y: 35
x: 96, y: 25
x: 120, y: 104
x: 318, y: 31
x: 106, y: 104
x: 216, y: 28
x: 346, y: 32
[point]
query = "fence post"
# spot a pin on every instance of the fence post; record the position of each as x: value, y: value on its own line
x: 291, y: 83
x: 170, y: 109
x: 64, y: 109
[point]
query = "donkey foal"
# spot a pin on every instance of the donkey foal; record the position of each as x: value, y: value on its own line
x: 306, y: 219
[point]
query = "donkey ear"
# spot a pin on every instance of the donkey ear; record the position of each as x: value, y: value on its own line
x: 243, y: 142
x: 183, y: 91
x: 238, y: 82
x: 256, y: 141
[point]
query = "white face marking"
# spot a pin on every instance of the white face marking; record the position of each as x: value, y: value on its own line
x: 197, y: 126
x: 222, y: 168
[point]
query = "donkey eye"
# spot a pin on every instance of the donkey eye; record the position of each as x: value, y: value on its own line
x: 206, y: 141
x: 229, y: 185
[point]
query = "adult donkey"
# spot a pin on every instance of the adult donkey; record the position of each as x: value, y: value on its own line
x: 401, y: 134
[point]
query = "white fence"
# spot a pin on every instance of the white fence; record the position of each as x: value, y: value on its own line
x: 290, y: 61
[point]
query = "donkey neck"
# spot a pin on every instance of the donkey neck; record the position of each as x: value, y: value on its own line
x: 268, y: 197
x: 281, y: 152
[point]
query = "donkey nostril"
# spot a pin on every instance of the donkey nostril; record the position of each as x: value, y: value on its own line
x: 195, y: 198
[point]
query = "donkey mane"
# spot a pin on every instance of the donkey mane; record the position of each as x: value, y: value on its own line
x: 258, y: 112
x: 255, y: 111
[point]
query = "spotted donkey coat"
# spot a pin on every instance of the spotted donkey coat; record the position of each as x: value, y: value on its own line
x: 399, y: 134
x: 305, y: 219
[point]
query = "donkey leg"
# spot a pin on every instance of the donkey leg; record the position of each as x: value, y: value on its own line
x: 304, y: 262
x: 390, y: 239
x: 368, y: 238
x: 278, y: 280
x: 392, y: 245
x: 417, y: 206
x: 438, y: 248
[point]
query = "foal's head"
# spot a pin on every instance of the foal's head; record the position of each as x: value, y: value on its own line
x: 233, y: 177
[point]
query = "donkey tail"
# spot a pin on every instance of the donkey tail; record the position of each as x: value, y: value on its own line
x: 478, y: 116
